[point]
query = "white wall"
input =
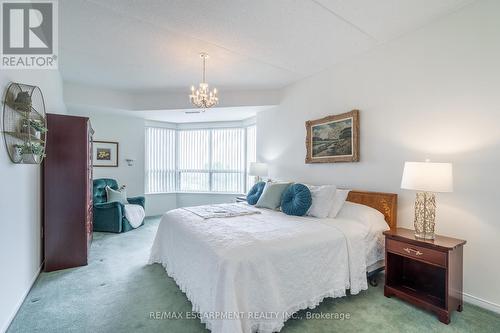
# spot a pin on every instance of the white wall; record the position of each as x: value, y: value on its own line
x: 129, y: 133
x: 20, y: 204
x: 432, y: 94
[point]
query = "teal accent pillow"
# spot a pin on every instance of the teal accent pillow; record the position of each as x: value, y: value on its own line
x: 296, y: 200
x: 271, y: 196
x: 116, y: 195
x: 255, y: 193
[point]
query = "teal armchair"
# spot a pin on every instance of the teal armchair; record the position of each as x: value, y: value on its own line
x: 109, y: 216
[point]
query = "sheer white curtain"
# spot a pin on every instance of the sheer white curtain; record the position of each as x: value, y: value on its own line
x: 251, y: 153
x: 194, y: 160
x: 199, y: 160
x: 228, y: 160
x: 160, y: 169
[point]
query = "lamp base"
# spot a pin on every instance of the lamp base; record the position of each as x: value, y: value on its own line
x: 424, y: 236
x: 425, y: 215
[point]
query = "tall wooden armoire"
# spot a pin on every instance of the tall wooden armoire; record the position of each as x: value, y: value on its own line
x: 67, y: 192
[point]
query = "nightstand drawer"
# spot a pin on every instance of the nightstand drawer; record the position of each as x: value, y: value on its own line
x: 417, y: 252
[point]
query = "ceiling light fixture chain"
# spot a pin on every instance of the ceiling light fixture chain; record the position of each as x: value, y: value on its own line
x: 204, y: 57
x: 203, y: 97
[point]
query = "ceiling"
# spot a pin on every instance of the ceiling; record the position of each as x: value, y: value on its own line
x: 210, y: 115
x: 261, y: 44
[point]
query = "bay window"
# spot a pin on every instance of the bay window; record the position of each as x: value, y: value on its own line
x: 199, y: 160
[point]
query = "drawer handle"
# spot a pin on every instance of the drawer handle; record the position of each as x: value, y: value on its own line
x: 410, y: 251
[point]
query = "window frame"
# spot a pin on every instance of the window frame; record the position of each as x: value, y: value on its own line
x: 210, y: 171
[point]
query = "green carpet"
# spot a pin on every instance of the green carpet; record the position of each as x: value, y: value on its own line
x: 117, y: 291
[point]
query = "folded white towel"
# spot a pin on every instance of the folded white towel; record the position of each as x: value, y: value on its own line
x: 135, y: 215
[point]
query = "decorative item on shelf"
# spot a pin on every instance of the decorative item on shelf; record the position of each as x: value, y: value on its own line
x: 258, y: 170
x: 333, y: 139
x: 23, y: 101
x: 32, y: 127
x: 105, y: 154
x: 24, y: 123
x: 203, y: 97
x: 37, y: 128
x: 17, y: 153
x: 427, y: 178
x: 32, y: 153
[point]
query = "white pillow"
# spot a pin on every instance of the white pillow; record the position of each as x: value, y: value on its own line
x: 119, y: 195
x: 368, y: 216
x: 271, y: 195
x: 338, y: 201
x: 322, y: 199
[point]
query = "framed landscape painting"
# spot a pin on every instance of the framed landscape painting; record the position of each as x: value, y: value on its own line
x: 105, y: 154
x: 333, y: 139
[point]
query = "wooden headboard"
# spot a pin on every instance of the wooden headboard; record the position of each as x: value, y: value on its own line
x: 386, y: 203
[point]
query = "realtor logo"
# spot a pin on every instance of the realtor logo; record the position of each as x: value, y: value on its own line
x: 29, y: 34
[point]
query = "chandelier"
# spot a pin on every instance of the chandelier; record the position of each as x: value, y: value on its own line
x: 203, y: 97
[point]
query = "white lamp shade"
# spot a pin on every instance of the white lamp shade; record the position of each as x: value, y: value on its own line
x: 258, y: 169
x: 428, y: 177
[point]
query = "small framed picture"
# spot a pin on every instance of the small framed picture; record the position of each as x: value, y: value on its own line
x: 105, y: 154
x: 333, y: 139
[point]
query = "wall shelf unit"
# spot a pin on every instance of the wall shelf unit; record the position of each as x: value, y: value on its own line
x: 24, y: 123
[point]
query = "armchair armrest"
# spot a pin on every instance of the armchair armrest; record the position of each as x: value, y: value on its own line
x: 137, y: 201
x: 108, y: 205
x: 108, y: 217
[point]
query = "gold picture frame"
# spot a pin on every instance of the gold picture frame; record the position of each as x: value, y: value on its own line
x: 333, y: 139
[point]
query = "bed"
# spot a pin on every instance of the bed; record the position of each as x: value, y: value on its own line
x: 251, y: 273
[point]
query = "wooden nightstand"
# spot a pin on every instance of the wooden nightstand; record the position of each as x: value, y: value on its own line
x: 426, y: 273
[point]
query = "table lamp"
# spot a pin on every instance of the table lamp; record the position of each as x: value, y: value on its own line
x: 427, y: 178
x: 258, y: 170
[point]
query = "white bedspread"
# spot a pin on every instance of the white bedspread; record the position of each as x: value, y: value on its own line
x: 255, y: 271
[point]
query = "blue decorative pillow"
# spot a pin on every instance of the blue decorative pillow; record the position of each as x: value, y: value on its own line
x: 296, y: 200
x: 255, y: 193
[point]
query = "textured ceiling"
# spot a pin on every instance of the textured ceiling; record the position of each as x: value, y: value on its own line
x: 260, y: 44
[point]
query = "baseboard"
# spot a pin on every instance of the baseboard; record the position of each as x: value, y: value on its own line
x: 18, y: 306
x: 482, y: 303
